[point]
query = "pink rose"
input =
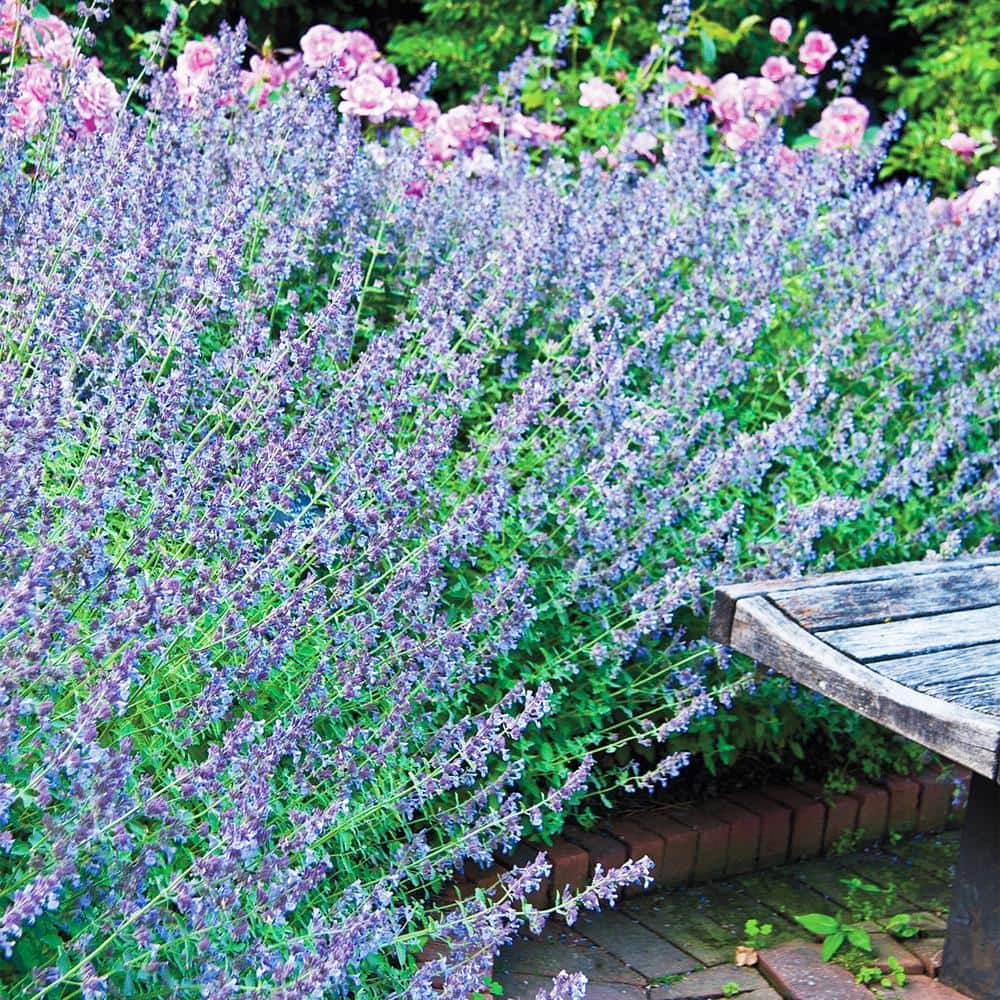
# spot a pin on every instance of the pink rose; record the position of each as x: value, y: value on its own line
x: 321, y: 44
x: 440, y: 147
x: 12, y: 15
x: 50, y: 40
x: 742, y: 133
x: 479, y: 164
x: 816, y: 51
x: 96, y: 101
x: 727, y: 98
x: 194, y: 67
x: 787, y: 159
x: 690, y: 86
x: 489, y: 116
x: 610, y: 160
x: 596, y: 94
x: 38, y: 82
x: 781, y: 30
x: 532, y: 130
x: 403, y: 103
x: 962, y: 144
x: 547, y: 132
x: 841, y: 125
x: 26, y: 116
x: 425, y: 114
x: 292, y: 66
x: 777, y: 68
x: 985, y: 191
x: 381, y: 70
x: 643, y: 143
x: 360, y: 46
x: 761, y: 98
x: 367, y: 97
x: 263, y: 77
x: 463, y: 126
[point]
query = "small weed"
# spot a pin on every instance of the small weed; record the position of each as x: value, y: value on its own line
x: 756, y: 935
x: 848, y: 841
x: 901, y: 926
x: 869, y: 974
x: 834, y: 933
x: 862, y: 896
x: 730, y: 989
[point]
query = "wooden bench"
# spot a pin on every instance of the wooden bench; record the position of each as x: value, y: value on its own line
x: 916, y: 647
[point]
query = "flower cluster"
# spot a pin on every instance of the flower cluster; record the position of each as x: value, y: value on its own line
x: 50, y: 70
x: 348, y: 536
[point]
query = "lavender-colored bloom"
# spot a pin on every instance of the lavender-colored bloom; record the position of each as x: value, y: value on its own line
x: 345, y: 528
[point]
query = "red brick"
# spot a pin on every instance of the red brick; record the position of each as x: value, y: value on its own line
x: 883, y: 946
x: 744, y: 835
x: 570, y: 866
x: 713, y: 842
x: 484, y: 878
x: 680, y: 847
x: 798, y: 972
x: 925, y: 988
x: 873, y: 812
x: 460, y: 888
x: 640, y: 843
x: 522, y: 855
x: 841, y: 813
x: 904, y: 797
x: 935, y: 801
x: 601, y: 849
x: 956, y: 815
x: 775, y: 826
x: 808, y: 821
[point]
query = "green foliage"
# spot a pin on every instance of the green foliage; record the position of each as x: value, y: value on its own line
x: 949, y: 83
x: 868, y: 974
x: 835, y: 933
x: 281, y: 21
x: 781, y: 725
x: 756, y: 935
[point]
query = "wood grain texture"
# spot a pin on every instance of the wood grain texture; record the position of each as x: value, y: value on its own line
x: 917, y: 635
x: 764, y: 632
x: 969, y: 676
x: 841, y: 605
x: 724, y: 603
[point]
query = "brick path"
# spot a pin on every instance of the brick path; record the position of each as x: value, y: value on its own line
x: 679, y: 944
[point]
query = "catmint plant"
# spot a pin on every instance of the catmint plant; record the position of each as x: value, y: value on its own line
x: 359, y: 503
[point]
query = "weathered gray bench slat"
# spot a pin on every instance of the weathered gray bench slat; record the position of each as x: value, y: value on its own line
x: 969, y: 676
x: 767, y: 634
x: 908, y: 636
x: 915, y: 647
x: 839, y: 605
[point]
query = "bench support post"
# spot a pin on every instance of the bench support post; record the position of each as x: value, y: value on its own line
x: 971, y: 961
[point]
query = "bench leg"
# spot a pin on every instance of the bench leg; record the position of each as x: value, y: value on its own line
x: 971, y: 961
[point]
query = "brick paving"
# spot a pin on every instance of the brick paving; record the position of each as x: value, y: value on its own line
x: 679, y: 943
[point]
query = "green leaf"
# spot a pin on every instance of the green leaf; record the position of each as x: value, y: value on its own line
x: 40, y: 11
x: 832, y: 945
x: 859, y: 938
x: 819, y: 923
x: 708, y: 50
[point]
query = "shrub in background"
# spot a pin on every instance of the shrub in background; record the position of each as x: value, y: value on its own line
x: 948, y: 84
x: 937, y: 61
x: 360, y: 503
